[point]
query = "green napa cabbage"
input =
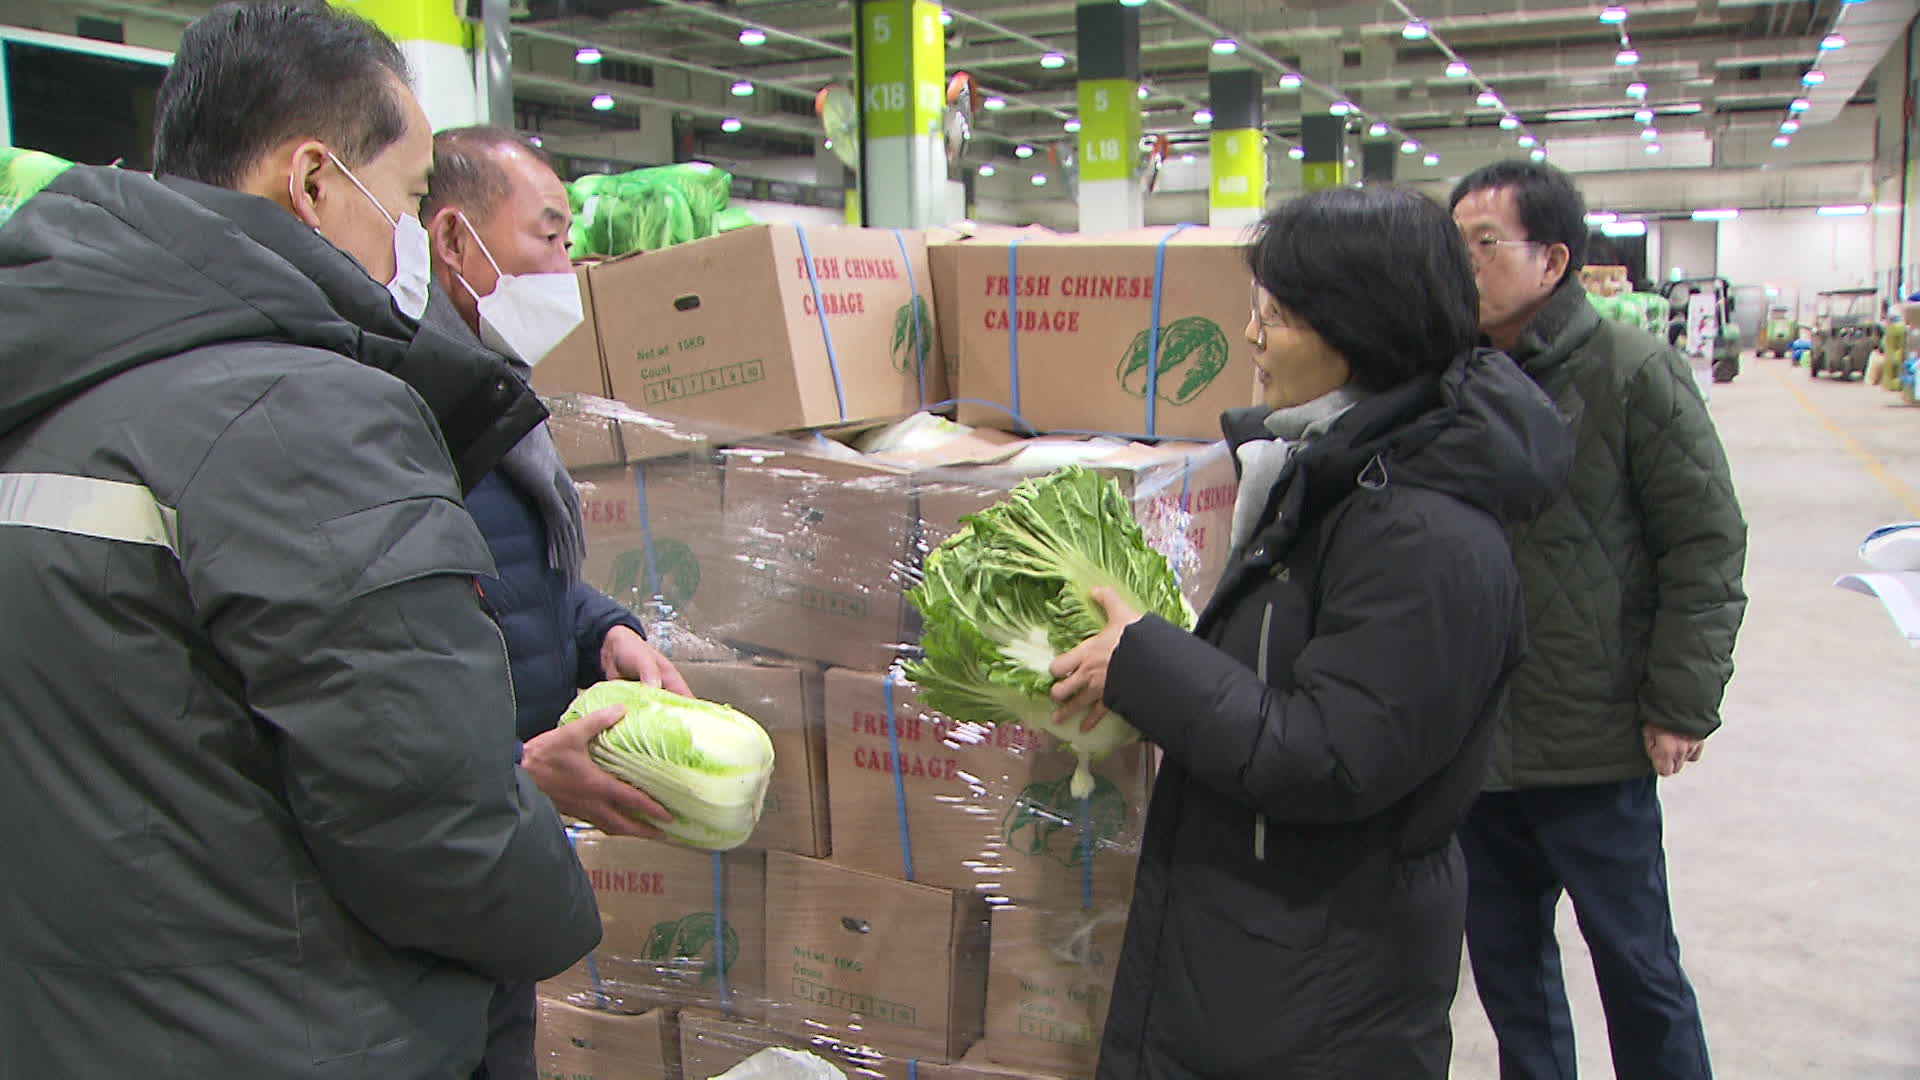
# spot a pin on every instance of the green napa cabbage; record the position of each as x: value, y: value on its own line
x: 707, y: 763
x: 1012, y: 590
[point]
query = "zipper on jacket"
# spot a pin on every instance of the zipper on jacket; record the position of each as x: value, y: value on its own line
x: 1260, y: 669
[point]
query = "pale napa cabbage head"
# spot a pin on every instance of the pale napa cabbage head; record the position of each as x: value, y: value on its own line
x: 707, y: 763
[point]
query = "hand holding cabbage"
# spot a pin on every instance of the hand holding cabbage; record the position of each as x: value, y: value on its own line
x: 1013, y: 589
x: 706, y: 763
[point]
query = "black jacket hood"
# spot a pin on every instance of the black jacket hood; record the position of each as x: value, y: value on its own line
x: 106, y: 269
x: 1481, y: 431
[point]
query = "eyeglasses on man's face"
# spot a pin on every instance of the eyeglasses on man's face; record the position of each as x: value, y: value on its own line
x: 1485, y: 246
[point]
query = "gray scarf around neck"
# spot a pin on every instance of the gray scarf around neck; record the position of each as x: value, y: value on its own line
x: 1263, y: 460
x: 533, y: 465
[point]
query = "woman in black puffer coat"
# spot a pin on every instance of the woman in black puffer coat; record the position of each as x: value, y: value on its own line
x: 1300, y: 900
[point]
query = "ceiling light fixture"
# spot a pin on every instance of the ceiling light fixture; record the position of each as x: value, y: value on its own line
x: 1458, y: 70
x: 1788, y: 127
x: 1627, y: 57
x: 1142, y: 93
x: 1781, y: 142
x: 1538, y: 155
x: 743, y: 88
x: 1072, y: 124
x: 1378, y: 130
x: 1133, y: 3
x: 1624, y: 228
x: 1832, y: 42
x: 1289, y: 81
x: 1430, y: 160
x: 1528, y: 141
x: 1559, y: 115
x: 1225, y: 46
x: 946, y: 18
x: 1296, y: 153
x: 1415, y: 30
x: 1053, y: 60
x: 1602, y: 217
x: 603, y: 102
x: 1649, y: 134
x: 587, y: 54
x: 1613, y: 15
x: 1813, y: 78
x: 1203, y: 116
x: 1637, y: 91
x: 1653, y: 148
x: 731, y: 125
x: 994, y: 104
x: 1409, y: 147
x: 1715, y: 215
x: 1488, y: 99
x: 1852, y: 210
x: 1186, y: 159
x: 988, y: 170
x: 1340, y: 108
x: 1800, y: 105
x: 753, y: 35
x: 1509, y: 123
x: 1686, y: 109
x: 536, y: 140
x: 1023, y: 151
x: 1039, y: 179
x: 1644, y: 116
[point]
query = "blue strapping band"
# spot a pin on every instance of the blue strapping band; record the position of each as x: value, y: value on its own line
x: 720, y: 928
x: 1013, y: 327
x: 899, y: 784
x: 919, y: 344
x: 826, y: 335
x: 646, y: 531
x: 593, y: 969
x: 913, y: 1069
x: 1086, y: 851
x: 1153, y: 331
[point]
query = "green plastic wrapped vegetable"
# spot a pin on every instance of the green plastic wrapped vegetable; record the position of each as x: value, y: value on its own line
x: 647, y: 209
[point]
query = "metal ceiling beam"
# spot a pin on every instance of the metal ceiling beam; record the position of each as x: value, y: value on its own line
x: 1871, y: 31
x: 569, y: 92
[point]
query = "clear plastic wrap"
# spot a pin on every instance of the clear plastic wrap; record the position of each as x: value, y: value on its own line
x: 923, y: 897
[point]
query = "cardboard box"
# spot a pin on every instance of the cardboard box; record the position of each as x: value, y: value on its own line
x: 679, y: 927
x: 986, y: 808
x: 710, y: 1045
x: 659, y: 545
x: 574, y: 366
x: 975, y: 1066
x: 944, y: 243
x: 729, y: 328
x: 787, y: 701
x: 1182, y: 494
x: 1049, y: 982
x: 571, y: 1043
x: 891, y: 965
x: 1083, y: 307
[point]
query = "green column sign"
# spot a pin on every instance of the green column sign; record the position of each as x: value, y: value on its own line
x: 1239, y: 170
x: 1109, y: 129
x: 1319, y: 175
x: 903, y: 57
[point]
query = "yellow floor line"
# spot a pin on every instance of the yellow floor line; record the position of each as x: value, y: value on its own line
x: 1898, y: 487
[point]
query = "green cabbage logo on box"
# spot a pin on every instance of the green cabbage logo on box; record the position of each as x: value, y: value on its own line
x: 1045, y: 819
x: 910, y: 348
x: 1193, y: 353
x: 699, y: 938
x: 675, y: 563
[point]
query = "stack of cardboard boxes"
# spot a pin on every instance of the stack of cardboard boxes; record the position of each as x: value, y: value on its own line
x: 922, y: 896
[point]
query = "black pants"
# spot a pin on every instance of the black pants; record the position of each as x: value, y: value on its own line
x: 510, y: 1023
x: 1602, y: 845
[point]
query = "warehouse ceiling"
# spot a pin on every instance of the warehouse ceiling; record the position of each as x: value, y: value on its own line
x: 1453, y: 70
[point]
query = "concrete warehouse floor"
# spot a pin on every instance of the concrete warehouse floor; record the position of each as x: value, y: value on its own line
x: 1792, y: 844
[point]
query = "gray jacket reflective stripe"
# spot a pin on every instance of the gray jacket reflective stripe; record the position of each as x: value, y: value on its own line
x: 105, y: 509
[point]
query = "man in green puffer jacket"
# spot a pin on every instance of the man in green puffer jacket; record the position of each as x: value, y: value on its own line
x: 1633, y: 589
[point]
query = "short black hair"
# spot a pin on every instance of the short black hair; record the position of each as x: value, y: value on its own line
x: 1552, y: 210
x: 249, y: 76
x: 467, y: 172
x: 1380, y: 273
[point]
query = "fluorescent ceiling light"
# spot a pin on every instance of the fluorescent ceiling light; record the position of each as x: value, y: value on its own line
x: 1813, y: 78
x: 1296, y: 153
x: 1289, y: 81
x: 753, y: 35
x: 1539, y: 155
x: 1039, y: 179
x: 1715, y: 215
x: 1340, y: 108
x: 587, y: 54
x: 1653, y: 148
x: 1509, y: 123
x: 536, y: 140
x: 1780, y: 142
x: 1685, y: 109
x: 988, y: 170
x: 743, y: 88
x: 603, y: 102
x: 994, y: 103
x: 1624, y: 228
x: 1854, y: 210
x: 1488, y: 99
x: 1644, y: 116
x: 1602, y: 217
x: 1637, y: 90
x: 1458, y: 70
x: 1528, y: 141
x: 1186, y: 159
x: 1073, y: 124
x: 1225, y: 46
x: 1378, y: 130
x: 946, y: 18
x: 730, y: 124
x: 1133, y: 3
x: 828, y: 144
x: 1203, y: 116
x: 1142, y: 93
x: 1613, y: 15
x: 1788, y: 127
x: 1023, y: 151
x: 1415, y: 30
x: 1800, y: 105
x: 1649, y: 134
x: 1627, y: 57
x: 1585, y: 114
x: 1409, y: 147
x: 1053, y: 60
x: 1430, y: 160
x: 1833, y: 41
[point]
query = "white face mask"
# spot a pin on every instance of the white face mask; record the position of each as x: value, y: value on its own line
x: 525, y: 315
x: 411, y: 253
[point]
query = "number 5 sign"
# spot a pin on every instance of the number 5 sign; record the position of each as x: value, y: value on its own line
x: 902, y: 67
x: 1109, y: 129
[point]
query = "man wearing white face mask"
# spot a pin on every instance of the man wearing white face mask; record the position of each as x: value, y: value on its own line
x: 264, y: 816
x: 498, y: 218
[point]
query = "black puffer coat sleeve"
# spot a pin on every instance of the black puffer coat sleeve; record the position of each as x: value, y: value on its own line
x: 1414, y: 627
